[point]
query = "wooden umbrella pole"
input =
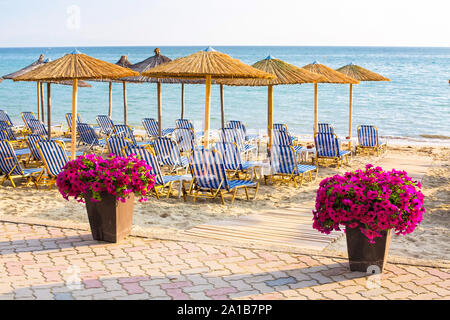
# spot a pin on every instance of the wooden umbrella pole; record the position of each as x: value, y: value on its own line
x: 110, y: 100
x: 222, y: 106
x: 49, y: 108
x: 74, y: 119
x: 207, y: 110
x: 350, y: 112
x: 124, y: 102
x: 158, y: 89
x: 41, y: 88
x: 182, y: 101
x: 269, y: 114
x: 38, y: 101
x: 316, y: 112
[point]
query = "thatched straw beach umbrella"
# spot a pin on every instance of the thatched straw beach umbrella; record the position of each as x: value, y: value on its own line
x: 76, y: 66
x: 361, y: 74
x: 285, y: 74
x: 152, y: 62
x: 331, y: 76
x: 40, y: 91
x: 209, y: 64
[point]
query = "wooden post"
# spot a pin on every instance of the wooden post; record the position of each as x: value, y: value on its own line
x: 110, y: 100
x: 49, y: 108
x: 182, y: 101
x: 41, y: 88
x: 269, y: 114
x: 222, y: 107
x: 207, y: 110
x: 350, y: 112
x: 38, y: 101
x: 158, y: 89
x: 74, y: 119
x: 124, y: 102
x: 316, y: 112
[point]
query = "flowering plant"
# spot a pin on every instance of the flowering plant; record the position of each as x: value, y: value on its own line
x: 371, y: 199
x: 90, y: 175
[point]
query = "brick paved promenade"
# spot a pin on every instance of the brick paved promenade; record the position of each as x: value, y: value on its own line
x: 38, y: 262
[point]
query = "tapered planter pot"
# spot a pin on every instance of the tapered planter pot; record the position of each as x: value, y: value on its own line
x: 364, y: 256
x: 110, y: 219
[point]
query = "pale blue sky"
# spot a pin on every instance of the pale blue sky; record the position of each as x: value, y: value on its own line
x: 228, y: 22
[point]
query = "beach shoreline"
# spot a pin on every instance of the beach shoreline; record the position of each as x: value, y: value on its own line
x: 429, y: 241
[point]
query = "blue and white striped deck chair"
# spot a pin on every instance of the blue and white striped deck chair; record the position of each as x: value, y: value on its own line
x: 169, y: 154
x: 233, y: 135
x: 187, y: 124
x: 54, y: 157
x: 328, y: 147
x: 283, y: 127
x: 11, y: 167
x: 183, y: 124
x: 69, y: 121
x: 32, y: 140
x: 232, y: 160
x: 368, y: 139
x: 283, y: 164
x: 151, y: 127
x: 18, y: 152
x: 240, y: 125
x: 89, y: 137
x: 12, y: 137
x: 283, y: 138
x: 185, y: 139
x: 210, y: 179
x: 26, y: 117
x: 117, y: 144
x: 123, y: 130
x: 8, y: 134
x: 146, y: 154
x: 4, y: 116
x: 106, y: 124
x: 325, y: 128
x: 37, y: 127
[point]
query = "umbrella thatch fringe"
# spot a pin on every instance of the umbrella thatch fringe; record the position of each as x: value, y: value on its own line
x: 22, y: 71
x: 38, y: 63
x: 285, y: 74
x: 203, y: 63
x: 360, y: 73
x: 331, y: 76
x: 76, y: 66
x: 152, y: 62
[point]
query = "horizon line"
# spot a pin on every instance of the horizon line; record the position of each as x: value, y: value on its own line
x: 222, y: 45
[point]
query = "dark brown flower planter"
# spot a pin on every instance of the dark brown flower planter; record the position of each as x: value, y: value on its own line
x: 110, y: 219
x: 362, y: 254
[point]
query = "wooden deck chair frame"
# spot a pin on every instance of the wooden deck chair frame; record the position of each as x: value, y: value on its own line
x: 26, y: 128
x: 69, y: 123
x: 50, y: 180
x: 248, y: 173
x: 338, y: 159
x: 293, y: 176
x: 359, y: 148
x: 199, y: 192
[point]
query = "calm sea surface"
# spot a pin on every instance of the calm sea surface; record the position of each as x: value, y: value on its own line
x: 415, y: 102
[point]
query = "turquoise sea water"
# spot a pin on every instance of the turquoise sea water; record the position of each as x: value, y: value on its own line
x: 415, y: 102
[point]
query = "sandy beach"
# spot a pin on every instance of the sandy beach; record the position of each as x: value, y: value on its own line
x: 429, y: 241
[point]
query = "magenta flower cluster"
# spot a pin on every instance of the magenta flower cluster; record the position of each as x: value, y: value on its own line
x: 91, y: 175
x: 371, y: 200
